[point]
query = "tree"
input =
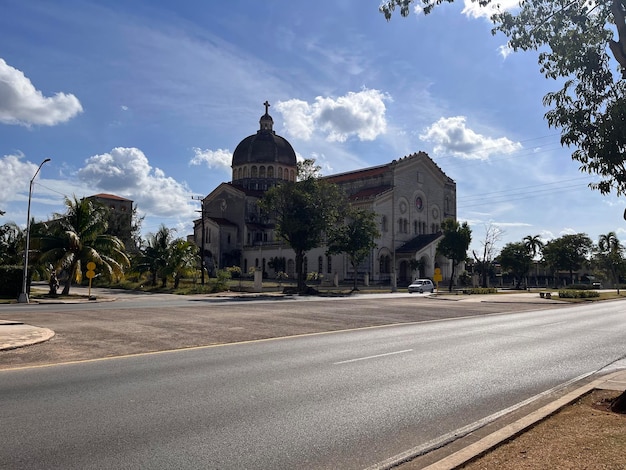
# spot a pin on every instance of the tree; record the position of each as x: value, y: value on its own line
x: 611, y: 255
x: 303, y: 212
x: 355, y: 237
x: 11, y: 244
x: 534, y: 246
x: 493, y: 234
x: 156, y: 254
x: 77, y: 237
x: 454, y: 244
x: 182, y: 259
x: 576, y: 40
x: 568, y: 253
x: 516, y: 259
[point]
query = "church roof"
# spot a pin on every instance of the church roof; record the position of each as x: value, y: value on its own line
x: 419, y: 243
x: 265, y: 146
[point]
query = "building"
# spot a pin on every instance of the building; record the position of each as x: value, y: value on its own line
x: 410, y: 197
x: 120, y: 218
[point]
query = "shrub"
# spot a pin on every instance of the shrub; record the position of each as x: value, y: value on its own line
x: 481, y: 290
x: 578, y: 294
x: 11, y: 278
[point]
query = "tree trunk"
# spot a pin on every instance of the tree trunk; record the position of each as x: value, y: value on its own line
x: 451, y: 277
x: 619, y: 404
x: 71, y: 275
x: 299, y: 273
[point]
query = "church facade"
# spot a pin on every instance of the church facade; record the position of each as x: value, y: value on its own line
x: 410, y: 196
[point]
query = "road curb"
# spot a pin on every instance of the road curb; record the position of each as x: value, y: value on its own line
x: 510, y: 431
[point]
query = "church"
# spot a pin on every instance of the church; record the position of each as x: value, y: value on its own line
x: 410, y: 196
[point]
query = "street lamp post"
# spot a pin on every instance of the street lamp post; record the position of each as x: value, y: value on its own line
x: 23, y: 298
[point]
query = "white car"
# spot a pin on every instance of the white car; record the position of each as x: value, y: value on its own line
x: 421, y: 286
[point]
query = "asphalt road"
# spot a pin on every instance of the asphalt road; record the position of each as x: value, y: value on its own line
x: 339, y: 400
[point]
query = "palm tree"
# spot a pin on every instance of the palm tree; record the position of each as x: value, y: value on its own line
x: 77, y: 237
x: 612, y: 251
x: 156, y: 254
x: 534, y: 245
x: 183, y: 257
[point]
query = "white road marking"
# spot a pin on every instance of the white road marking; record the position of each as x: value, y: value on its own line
x: 372, y: 357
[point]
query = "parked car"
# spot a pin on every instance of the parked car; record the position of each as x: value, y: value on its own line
x: 421, y: 286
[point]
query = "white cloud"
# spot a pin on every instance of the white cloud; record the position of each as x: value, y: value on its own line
x: 451, y: 136
x: 219, y: 158
x: 127, y: 172
x: 21, y: 103
x: 505, y: 51
x: 360, y: 114
x: 15, y: 177
x: 474, y: 10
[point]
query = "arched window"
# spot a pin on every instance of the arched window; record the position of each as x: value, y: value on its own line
x: 262, y: 172
x: 405, y: 226
x: 415, y: 227
x: 270, y: 171
x: 384, y: 223
x: 253, y: 172
x: 292, y: 175
x: 280, y: 172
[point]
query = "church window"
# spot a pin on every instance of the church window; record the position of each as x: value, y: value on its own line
x: 446, y: 205
x: 320, y: 264
x: 405, y: 226
x: 329, y: 264
x: 253, y: 172
x: 245, y: 172
x: 415, y: 227
x: 385, y: 264
x: 262, y: 172
x: 384, y: 223
x: 280, y: 172
x: 400, y: 225
x: 270, y: 171
x: 234, y: 173
x: 292, y: 175
x: 240, y: 172
x: 433, y: 228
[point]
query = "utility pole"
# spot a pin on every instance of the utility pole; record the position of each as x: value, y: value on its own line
x: 199, y: 198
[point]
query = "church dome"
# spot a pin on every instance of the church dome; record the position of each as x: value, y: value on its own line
x: 265, y: 146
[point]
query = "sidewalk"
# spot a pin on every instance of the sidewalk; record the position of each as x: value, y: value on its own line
x: 17, y: 334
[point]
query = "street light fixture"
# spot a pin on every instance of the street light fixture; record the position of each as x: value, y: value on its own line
x: 23, y: 298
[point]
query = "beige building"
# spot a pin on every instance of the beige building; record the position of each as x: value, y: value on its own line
x: 410, y: 197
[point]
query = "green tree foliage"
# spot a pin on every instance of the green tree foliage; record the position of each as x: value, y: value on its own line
x: 568, y: 253
x: 182, y: 260
x: 516, y: 259
x: 77, y: 237
x: 576, y: 41
x: 11, y: 244
x: 355, y: 237
x: 303, y: 212
x: 454, y: 244
x: 534, y: 246
x: 610, y: 256
x: 155, y: 254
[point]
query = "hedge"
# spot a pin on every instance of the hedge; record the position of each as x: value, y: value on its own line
x: 578, y: 294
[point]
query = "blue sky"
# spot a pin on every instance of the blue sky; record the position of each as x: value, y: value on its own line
x: 148, y: 99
